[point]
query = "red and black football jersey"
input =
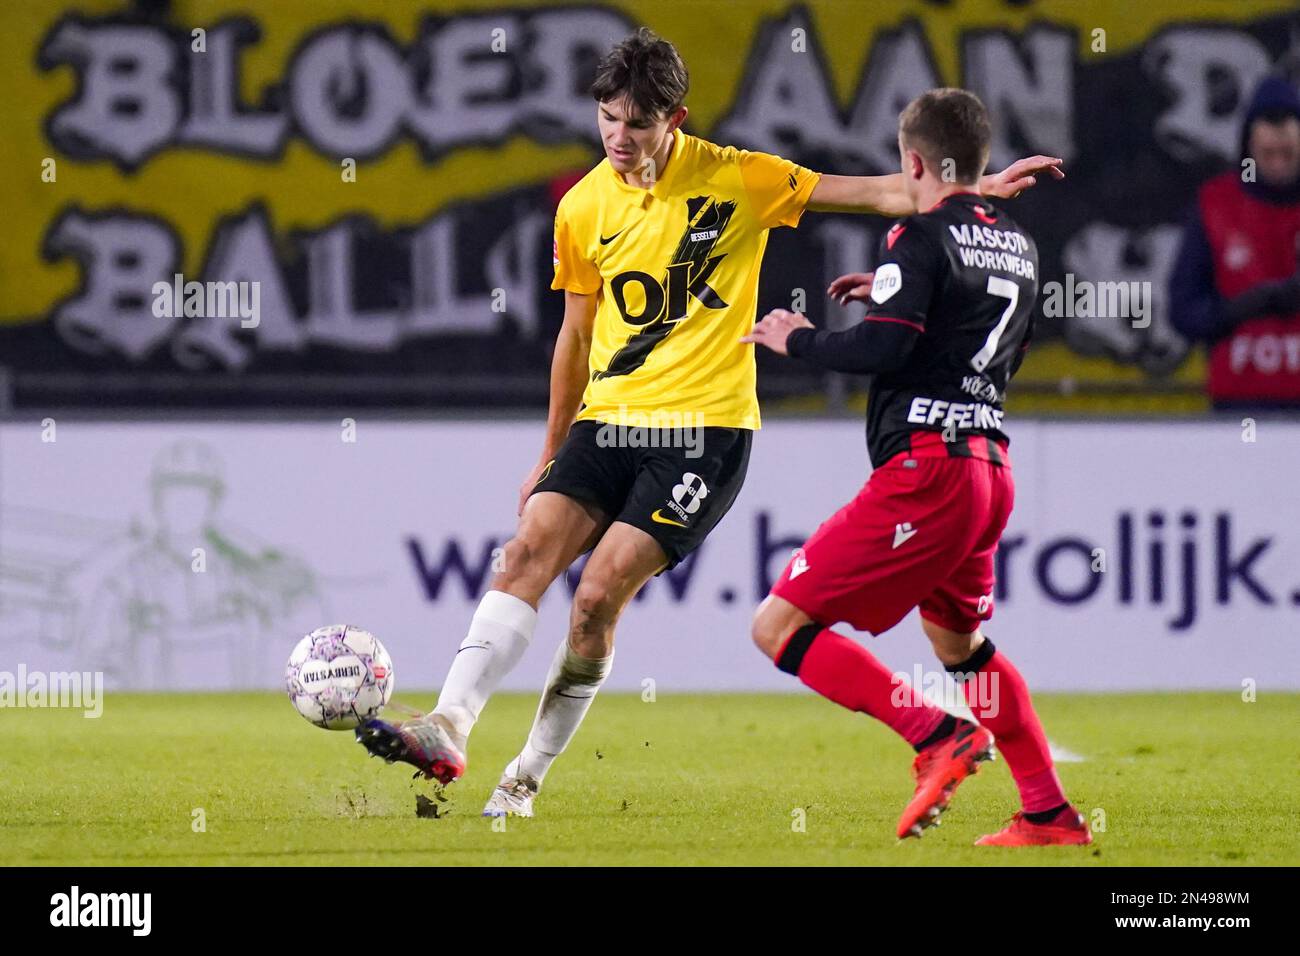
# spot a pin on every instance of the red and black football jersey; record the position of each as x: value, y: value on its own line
x: 950, y: 317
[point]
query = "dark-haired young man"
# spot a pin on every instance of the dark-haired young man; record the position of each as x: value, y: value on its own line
x: 653, y: 402
x: 948, y: 321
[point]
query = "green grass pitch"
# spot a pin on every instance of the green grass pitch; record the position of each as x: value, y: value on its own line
x: 1182, y: 779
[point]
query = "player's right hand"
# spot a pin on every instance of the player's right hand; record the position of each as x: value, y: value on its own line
x: 526, y: 488
x: 853, y: 287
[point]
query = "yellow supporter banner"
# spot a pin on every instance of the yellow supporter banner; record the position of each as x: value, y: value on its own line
x: 226, y: 108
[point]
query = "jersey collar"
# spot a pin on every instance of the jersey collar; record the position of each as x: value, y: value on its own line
x: 963, y: 193
x: 660, y: 189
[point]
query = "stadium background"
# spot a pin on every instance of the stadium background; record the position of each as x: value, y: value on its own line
x: 356, y: 456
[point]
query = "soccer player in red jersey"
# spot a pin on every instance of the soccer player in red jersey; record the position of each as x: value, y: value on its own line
x: 949, y: 317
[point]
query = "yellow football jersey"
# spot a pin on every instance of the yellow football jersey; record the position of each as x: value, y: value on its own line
x: 676, y: 268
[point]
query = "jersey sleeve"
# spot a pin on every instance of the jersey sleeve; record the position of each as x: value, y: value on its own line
x: 574, y: 269
x: 778, y: 189
x: 908, y: 273
x: 867, y: 348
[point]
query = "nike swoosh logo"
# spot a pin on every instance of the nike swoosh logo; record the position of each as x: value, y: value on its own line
x: 605, y: 242
x: 660, y: 519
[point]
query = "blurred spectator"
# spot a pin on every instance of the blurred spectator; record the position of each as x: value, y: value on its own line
x: 1236, y: 283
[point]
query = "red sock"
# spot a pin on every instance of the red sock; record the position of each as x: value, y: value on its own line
x: 844, y: 671
x: 999, y: 698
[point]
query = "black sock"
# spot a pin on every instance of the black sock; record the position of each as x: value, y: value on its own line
x: 946, y: 727
x: 1046, y: 816
x: 967, y: 668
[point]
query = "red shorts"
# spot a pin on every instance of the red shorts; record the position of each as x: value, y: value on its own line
x: 922, y: 531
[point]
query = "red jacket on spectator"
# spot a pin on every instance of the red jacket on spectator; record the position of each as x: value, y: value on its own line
x: 1236, y: 284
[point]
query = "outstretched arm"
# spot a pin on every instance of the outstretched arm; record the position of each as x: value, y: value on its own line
x: 885, y: 195
x: 871, y: 346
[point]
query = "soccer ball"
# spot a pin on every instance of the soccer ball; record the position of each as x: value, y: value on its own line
x: 339, y: 676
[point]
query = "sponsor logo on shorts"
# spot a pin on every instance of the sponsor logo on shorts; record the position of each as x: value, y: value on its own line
x: 903, y: 532
x: 982, y: 606
x: 658, y: 518
x: 685, y: 500
x: 688, y: 495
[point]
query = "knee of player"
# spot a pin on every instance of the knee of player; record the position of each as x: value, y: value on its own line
x: 515, y: 560
x: 950, y: 647
x: 594, y: 602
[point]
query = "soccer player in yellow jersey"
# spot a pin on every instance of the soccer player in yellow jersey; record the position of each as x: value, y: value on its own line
x: 653, y: 403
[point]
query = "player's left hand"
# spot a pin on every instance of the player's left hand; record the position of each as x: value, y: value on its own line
x: 1020, y: 175
x: 774, y: 328
x: 851, y: 287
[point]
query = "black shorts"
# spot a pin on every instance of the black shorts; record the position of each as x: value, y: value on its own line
x: 652, y: 479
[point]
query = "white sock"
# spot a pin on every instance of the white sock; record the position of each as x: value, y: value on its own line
x: 571, y: 686
x: 498, y: 636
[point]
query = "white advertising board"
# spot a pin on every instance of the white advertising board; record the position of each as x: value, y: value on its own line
x: 188, y: 556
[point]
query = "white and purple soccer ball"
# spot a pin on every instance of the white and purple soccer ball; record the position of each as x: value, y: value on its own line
x: 339, y: 676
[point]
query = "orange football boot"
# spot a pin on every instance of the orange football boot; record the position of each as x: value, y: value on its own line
x: 938, y: 770
x: 1068, y: 829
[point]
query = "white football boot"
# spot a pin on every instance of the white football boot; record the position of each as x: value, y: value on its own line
x: 513, y: 797
x: 429, y: 743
